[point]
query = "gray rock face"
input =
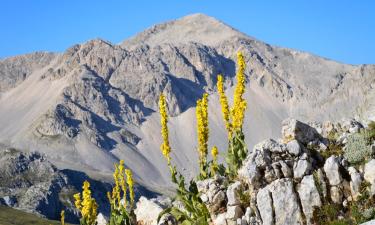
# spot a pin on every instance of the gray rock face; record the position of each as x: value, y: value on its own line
x: 285, y: 203
x: 331, y: 168
x: 265, y: 207
x: 301, y: 168
x: 369, y: 174
x: 147, y: 211
x: 294, y: 129
x: 309, y: 195
x: 355, y: 181
x: 293, y: 147
x: 233, y: 193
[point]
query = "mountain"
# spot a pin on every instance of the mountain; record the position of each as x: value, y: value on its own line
x: 96, y: 103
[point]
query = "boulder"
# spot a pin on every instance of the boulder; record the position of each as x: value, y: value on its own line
x: 332, y: 170
x: 264, y: 203
x: 233, y: 193
x: 336, y: 195
x: 355, y: 181
x: 301, y: 168
x: 234, y: 212
x: 147, y: 211
x: 285, y: 202
x: 369, y: 174
x: 293, y: 129
x: 309, y: 196
x: 294, y: 148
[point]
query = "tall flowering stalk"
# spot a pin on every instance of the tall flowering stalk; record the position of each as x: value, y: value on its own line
x: 214, y: 165
x: 165, y: 147
x: 224, y: 104
x: 62, y: 217
x: 122, y: 210
x: 203, y: 133
x: 87, y: 205
x: 197, y: 212
x: 234, y: 117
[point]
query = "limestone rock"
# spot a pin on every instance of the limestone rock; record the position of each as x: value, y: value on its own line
x: 294, y: 129
x: 336, y: 194
x: 147, y: 211
x: 285, y: 203
x: 301, y: 168
x: 293, y: 147
x: 309, y: 195
x: 264, y: 204
x: 233, y: 193
x: 332, y: 170
x: 369, y: 174
x: 355, y: 181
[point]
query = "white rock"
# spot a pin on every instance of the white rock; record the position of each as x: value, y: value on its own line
x: 332, y: 170
x: 264, y: 204
x: 287, y: 172
x: 336, y: 195
x: 301, y: 168
x: 309, y: 196
x: 369, y: 174
x: 293, y: 148
x: 101, y: 220
x: 233, y: 193
x: 285, y: 203
x: 220, y: 219
x: 355, y: 181
x: 234, y: 212
x: 147, y: 211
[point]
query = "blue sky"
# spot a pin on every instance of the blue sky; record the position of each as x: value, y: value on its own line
x: 343, y: 30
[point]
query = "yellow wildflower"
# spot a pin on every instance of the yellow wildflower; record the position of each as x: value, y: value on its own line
x: 239, y: 104
x: 121, y: 179
x: 87, y: 206
x: 202, y: 127
x: 224, y: 103
x: 62, y: 217
x: 165, y: 148
x: 130, y: 181
x: 77, y: 201
x: 214, y: 153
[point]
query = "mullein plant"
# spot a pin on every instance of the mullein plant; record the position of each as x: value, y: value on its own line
x: 86, y: 205
x: 195, y: 211
x: 62, y: 216
x: 122, y: 208
x: 207, y: 168
x: 233, y: 118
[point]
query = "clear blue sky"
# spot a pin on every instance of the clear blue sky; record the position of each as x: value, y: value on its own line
x: 343, y: 30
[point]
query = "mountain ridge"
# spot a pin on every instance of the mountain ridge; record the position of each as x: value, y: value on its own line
x: 96, y: 103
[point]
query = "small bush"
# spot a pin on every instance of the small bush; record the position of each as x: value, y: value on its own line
x: 357, y: 149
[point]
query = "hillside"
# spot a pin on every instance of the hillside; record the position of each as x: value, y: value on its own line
x: 96, y: 103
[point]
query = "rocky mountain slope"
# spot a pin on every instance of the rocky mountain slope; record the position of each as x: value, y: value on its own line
x: 316, y: 173
x: 29, y: 182
x: 96, y: 103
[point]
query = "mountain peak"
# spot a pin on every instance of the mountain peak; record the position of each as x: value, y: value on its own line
x: 191, y: 28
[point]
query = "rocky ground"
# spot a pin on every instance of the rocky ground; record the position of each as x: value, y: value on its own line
x: 306, y: 177
x: 29, y: 182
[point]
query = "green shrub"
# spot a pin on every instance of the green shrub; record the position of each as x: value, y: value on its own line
x: 358, y: 149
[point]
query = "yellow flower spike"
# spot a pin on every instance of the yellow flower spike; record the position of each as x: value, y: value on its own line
x: 202, y: 128
x: 224, y: 103
x: 62, y: 214
x: 165, y: 147
x: 214, y: 153
x: 87, y: 204
x: 239, y: 104
x: 77, y: 201
x: 130, y: 181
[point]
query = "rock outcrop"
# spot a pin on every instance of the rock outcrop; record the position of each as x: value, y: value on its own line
x: 287, y: 181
